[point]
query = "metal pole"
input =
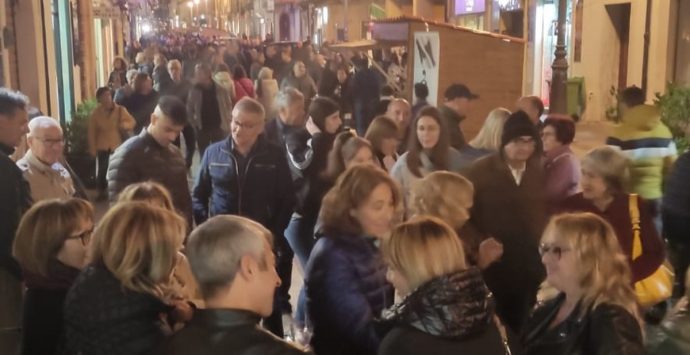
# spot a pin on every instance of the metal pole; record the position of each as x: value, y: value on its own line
x: 559, y: 77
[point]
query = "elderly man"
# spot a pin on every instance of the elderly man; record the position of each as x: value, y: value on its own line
x: 291, y: 117
x: 152, y: 156
x: 248, y: 176
x: 15, y: 199
x: 401, y: 112
x: 123, y: 93
x: 41, y: 165
x: 232, y: 260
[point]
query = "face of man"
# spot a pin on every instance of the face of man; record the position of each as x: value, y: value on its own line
x: 175, y: 71
x: 461, y: 105
x: 401, y: 112
x: 13, y: 127
x: 266, y: 282
x: 294, y: 115
x: 520, y: 149
x: 163, y: 129
x: 106, y: 100
x: 246, y: 128
x: 47, y: 144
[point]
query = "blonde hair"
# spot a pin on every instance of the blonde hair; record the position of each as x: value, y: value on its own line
x: 138, y: 243
x: 447, y: 196
x: 148, y: 191
x: 422, y: 249
x: 489, y: 137
x: 43, y: 230
x: 265, y: 73
x: 611, y: 165
x: 604, y: 272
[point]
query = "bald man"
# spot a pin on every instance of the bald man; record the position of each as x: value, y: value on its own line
x: 41, y: 165
x: 401, y: 112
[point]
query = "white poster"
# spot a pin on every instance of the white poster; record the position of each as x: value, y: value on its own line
x: 426, y: 62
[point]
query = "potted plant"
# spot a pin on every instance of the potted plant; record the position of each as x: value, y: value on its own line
x: 675, y: 113
x: 77, y: 143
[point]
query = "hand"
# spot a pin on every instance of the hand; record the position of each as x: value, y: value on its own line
x: 312, y: 128
x: 490, y: 251
x: 182, y: 311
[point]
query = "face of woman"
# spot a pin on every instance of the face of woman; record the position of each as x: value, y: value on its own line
x: 363, y: 156
x: 561, y: 267
x: 333, y: 123
x: 549, y: 140
x: 299, y: 69
x: 593, y: 185
x: 375, y: 215
x: 74, y: 251
x: 428, y: 132
x: 402, y: 288
x: 389, y: 146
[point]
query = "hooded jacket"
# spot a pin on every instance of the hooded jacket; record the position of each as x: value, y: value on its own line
x: 452, y: 314
x: 648, y: 143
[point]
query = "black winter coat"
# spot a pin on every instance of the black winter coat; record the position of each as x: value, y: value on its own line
x: 453, y: 314
x: 141, y: 107
x: 15, y: 195
x: 346, y: 289
x: 262, y: 192
x: 104, y: 318
x: 225, y: 331
x: 676, y: 200
x: 140, y: 159
x: 605, y: 330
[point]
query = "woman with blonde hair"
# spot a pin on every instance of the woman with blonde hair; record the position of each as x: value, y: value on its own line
x: 446, y: 307
x: 157, y: 195
x: 449, y: 197
x: 604, y: 178
x: 345, y: 278
x: 596, y: 311
x: 51, y: 247
x: 383, y: 135
x: 266, y: 91
x: 488, y: 140
x: 119, y: 302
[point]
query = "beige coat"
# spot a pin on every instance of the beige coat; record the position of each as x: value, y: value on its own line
x: 46, y: 182
x: 105, y: 128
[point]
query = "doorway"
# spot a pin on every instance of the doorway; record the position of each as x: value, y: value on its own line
x: 620, y: 18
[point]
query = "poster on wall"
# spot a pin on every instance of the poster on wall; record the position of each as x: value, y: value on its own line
x: 426, y: 62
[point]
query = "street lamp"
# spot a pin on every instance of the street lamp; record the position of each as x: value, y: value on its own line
x: 557, y: 97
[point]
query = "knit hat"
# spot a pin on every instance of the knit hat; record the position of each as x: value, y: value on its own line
x: 320, y: 108
x: 518, y: 125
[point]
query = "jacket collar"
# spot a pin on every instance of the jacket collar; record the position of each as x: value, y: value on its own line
x: 36, y: 163
x: 6, y: 149
x: 144, y: 134
x: 551, y: 156
x: 226, y: 318
x: 258, y: 148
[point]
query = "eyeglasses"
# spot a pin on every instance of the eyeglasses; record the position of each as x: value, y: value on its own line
x: 552, y: 249
x: 84, y: 236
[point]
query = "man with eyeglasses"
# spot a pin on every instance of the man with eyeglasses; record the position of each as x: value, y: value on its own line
x: 248, y: 176
x: 41, y: 165
x: 510, y: 205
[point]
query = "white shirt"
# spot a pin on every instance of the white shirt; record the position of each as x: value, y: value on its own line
x: 518, y: 173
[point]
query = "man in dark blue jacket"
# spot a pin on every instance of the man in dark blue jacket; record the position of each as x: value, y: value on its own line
x: 15, y: 199
x: 248, y: 176
x: 291, y: 117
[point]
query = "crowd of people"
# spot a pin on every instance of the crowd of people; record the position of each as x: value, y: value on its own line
x: 412, y: 239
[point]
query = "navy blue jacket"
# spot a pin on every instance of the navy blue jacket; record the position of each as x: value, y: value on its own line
x: 346, y: 289
x: 263, y: 192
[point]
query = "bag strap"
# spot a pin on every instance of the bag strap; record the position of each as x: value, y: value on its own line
x: 635, y: 221
x: 504, y: 335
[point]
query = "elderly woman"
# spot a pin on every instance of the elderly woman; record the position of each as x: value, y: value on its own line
x: 345, y: 279
x: 446, y: 307
x: 51, y: 246
x: 596, y: 311
x: 115, y: 305
x: 561, y: 167
x: 604, y: 174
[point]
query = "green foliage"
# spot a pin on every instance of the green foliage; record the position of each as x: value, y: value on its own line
x: 76, y: 131
x: 675, y: 113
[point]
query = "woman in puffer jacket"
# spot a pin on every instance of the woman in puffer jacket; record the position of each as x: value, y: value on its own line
x: 446, y: 308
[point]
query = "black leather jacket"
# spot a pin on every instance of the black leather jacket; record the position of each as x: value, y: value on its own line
x: 604, y: 330
x: 225, y: 331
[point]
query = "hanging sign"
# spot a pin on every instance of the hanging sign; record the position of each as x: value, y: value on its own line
x: 426, y: 62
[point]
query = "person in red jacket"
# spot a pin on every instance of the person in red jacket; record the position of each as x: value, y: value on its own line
x: 604, y: 172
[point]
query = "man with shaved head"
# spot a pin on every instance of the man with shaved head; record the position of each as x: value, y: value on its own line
x: 41, y: 165
x: 401, y: 112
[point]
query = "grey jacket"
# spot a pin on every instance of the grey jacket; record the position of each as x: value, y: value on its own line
x: 195, y: 100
